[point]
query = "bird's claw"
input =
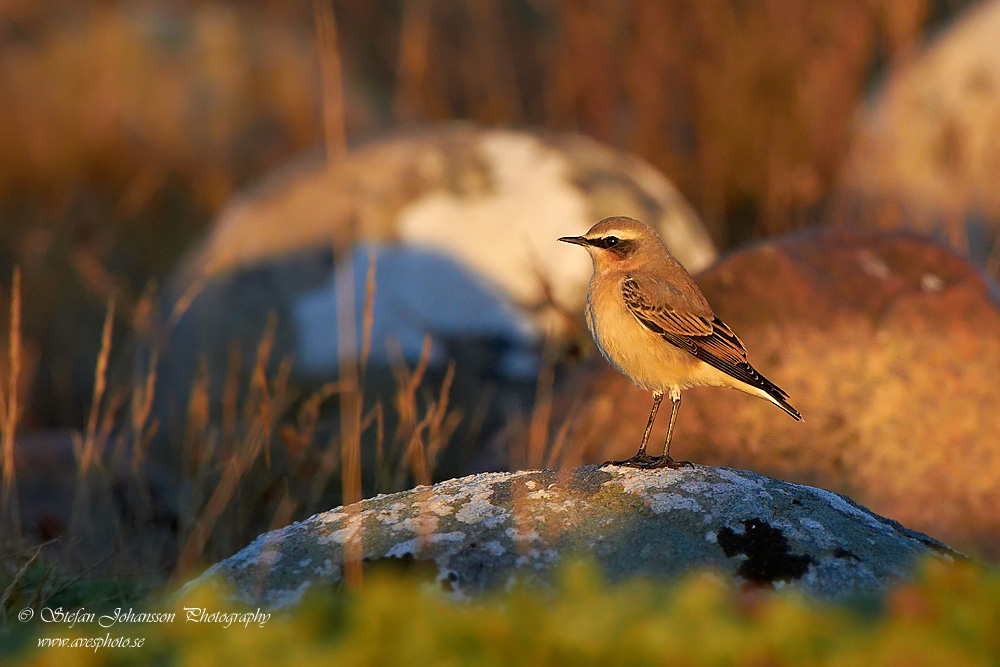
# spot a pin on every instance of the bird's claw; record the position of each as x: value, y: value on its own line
x: 667, y: 462
x: 647, y: 462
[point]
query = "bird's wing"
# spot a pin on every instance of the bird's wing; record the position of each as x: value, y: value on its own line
x: 691, y: 327
x: 659, y: 304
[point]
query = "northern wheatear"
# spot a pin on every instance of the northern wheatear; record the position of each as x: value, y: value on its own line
x: 654, y: 325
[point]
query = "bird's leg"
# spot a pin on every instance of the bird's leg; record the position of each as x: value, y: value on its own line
x: 664, y: 461
x: 641, y: 458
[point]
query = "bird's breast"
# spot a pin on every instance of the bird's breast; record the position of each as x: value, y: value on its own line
x: 635, y: 351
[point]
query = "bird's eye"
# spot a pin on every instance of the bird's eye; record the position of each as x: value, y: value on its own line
x: 611, y: 241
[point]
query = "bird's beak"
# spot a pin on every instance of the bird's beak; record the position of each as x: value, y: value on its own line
x: 578, y: 240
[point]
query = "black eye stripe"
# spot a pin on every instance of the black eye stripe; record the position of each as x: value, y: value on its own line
x: 618, y: 246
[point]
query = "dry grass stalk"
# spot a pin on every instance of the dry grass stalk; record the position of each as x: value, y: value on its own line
x: 331, y: 74
x: 369, y: 313
x: 414, y: 58
x: 234, y: 469
x: 442, y: 424
x: 9, y: 411
x: 265, y: 402
x: 140, y: 410
x: 286, y: 509
x: 538, y: 431
x: 256, y: 441
x: 198, y: 422
x: 556, y: 458
x: 15, y: 582
x: 231, y: 393
x: 91, y: 448
x: 350, y: 413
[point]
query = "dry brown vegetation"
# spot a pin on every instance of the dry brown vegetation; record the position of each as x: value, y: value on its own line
x: 125, y: 127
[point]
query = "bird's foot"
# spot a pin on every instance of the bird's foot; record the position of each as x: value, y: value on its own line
x: 667, y: 462
x: 642, y: 460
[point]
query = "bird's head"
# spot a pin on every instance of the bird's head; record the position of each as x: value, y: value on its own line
x: 620, y: 243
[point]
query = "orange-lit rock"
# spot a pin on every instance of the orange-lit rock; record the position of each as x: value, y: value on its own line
x: 889, y: 346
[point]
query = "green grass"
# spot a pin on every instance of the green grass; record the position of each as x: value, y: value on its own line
x: 949, y: 616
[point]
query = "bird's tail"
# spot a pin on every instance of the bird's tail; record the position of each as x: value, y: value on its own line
x: 777, y: 396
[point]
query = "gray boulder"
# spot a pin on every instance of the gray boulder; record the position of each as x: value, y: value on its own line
x: 486, y: 531
x: 924, y: 153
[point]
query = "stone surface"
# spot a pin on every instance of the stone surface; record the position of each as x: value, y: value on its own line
x: 485, y: 531
x: 888, y: 345
x: 925, y: 153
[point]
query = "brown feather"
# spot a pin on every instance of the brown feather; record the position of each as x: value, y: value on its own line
x: 705, y: 336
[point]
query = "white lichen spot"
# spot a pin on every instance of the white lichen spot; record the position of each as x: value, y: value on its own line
x: 696, y: 487
x: 419, y: 523
x: 873, y: 265
x: 281, y: 599
x: 564, y: 506
x: 350, y: 531
x: 269, y: 557
x: 332, y: 516
x: 478, y: 509
x: 811, y: 524
x: 435, y: 504
x: 839, y: 504
x: 413, y: 547
x: 391, y: 515
x: 494, y: 548
x: 521, y: 535
x: 530, y: 484
x: 931, y: 283
x: 666, y: 502
x: 712, y: 537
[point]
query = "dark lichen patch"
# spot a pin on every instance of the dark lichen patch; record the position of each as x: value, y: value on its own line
x: 583, y: 482
x: 613, y: 497
x: 769, y: 558
x: 588, y: 480
x: 841, y: 552
x: 421, y: 568
x: 450, y: 582
x: 503, y: 494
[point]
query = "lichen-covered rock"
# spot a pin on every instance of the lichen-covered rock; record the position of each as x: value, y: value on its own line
x: 486, y: 531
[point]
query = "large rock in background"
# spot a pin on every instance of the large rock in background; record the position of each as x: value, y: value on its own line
x: 482, y: 532
x: 464, y: 223
x: 889, y: 345
x: 926, y: 154
x: 493, y: 199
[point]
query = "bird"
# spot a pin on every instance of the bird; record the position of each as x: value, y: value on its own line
x: 653, y: 324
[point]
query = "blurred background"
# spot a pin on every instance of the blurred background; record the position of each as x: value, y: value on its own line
x: 143, y: 142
